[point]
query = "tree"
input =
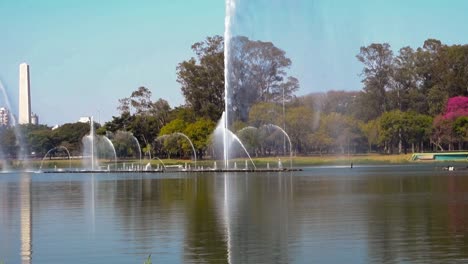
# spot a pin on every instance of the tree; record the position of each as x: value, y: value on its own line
x: 174, y: 144
x: 140, y: 116
x: 258, y: 73
x: 460, y: 129
x: 70, y: 135
x: 448, y: 127
x: 371, y: 130
x: 442, y: 132
x: 377, y: 72
x: 299, y: 124
x: 199, y: 132
x: 403, y: 92
x: 343, y: 130
x: 400, y: 129
x: 202, y: 78
x: 265, y: 113
x: 139, y: 102
x: 456, y: 107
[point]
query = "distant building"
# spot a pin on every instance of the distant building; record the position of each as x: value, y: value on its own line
x: 84, y: 119
x: 24, y: 95
x: 4, y: 116
x: 34, y: 119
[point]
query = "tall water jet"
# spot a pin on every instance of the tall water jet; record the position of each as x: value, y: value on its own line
x: 229, y: 16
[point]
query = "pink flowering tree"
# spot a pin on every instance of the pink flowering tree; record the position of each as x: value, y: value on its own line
x: 456, y: 107
x: 450, y: 127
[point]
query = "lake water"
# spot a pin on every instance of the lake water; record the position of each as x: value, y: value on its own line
x: 375, y: 214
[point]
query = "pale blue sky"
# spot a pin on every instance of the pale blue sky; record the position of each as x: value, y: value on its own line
x: 85, y: 55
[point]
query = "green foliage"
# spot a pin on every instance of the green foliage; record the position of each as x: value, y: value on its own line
x: 404, y: 128
x: 176, y: 125
x: 199, y: 132
x: 265, y: 113
x: 71, y: 135
x: 299, y: 124
x: 460, y: 127
x: 140, y: 116
x: 148, y: 260
x: 377, y: 73
x: 202, y: 79
x: 257, y: 74
x: 371, y: 131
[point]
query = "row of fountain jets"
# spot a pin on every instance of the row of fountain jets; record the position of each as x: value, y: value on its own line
x: 96, y: 147
x: 94, y: 144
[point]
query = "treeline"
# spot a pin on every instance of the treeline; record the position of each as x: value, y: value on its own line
x: 37, y: 140
x: 412, y: 100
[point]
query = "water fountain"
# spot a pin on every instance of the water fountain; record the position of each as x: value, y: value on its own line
x: 22, y: 152
x: 126, y: 145
x: 270, y: 126
x: 229, y: 19
x: 55, y: 149
x: 96, y: 147
x: 162, y: 137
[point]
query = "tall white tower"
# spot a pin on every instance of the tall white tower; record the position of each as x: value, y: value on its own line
x: 24, y: 95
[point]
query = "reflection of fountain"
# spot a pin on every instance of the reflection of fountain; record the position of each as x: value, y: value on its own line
x: 26, y: 218
x: 96, y: 147
x: 184, y: 136
x: 56, y: 148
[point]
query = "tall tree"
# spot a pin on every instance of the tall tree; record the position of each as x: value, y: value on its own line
x: 377, y: 72
x: 202, y: 78
x: 258, y: 73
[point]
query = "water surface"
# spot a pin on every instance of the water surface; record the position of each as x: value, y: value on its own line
x: 375, y: 214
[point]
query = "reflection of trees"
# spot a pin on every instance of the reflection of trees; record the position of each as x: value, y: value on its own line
x: 205, y: 239
x: 153, y: 209
x: 258, y: 222
x: 417, y: 218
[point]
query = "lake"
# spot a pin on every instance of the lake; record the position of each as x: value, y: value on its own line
x: 369, y: 214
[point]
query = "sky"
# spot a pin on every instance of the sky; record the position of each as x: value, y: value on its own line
x: 85, y: 55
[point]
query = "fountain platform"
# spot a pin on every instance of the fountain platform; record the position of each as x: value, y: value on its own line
x: 171, y: 171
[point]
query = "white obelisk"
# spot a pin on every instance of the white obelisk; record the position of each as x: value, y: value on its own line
x: 24, y: 95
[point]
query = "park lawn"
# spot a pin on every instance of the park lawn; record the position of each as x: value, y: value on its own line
x: 297, y: 161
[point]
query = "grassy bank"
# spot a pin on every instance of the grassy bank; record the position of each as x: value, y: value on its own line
x: 300, y: 161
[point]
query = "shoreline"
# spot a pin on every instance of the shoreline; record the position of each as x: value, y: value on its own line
x: 260, y: 163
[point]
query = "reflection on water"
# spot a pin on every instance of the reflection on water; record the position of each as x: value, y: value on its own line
x: 26, y: 215
x: 405, y: 214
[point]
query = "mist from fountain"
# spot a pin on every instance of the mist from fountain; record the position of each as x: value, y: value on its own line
x: 22, y: 154
x: 96, y: 147
x: 228, y: 138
